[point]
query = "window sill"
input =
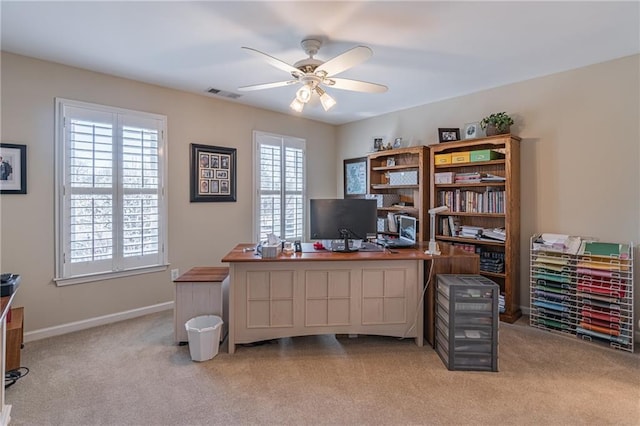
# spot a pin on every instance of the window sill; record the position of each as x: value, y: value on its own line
x: 60, y: 282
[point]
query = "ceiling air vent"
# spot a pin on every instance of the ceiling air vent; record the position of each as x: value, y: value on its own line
x: 223, y: 93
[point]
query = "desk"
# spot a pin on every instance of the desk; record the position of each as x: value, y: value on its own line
x: 5, y: 305
x: 321, y: 292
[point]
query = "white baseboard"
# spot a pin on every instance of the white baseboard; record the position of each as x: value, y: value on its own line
x: 94, y: 322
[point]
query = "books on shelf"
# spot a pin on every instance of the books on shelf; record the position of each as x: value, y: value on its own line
x: 490, y: 200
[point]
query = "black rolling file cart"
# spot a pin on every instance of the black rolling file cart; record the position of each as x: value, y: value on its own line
x: 467, y: 322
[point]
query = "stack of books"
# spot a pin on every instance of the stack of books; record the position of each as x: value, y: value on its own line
x: 499, y: 234
x: 467, y: 231
x: 492, y: 262
x: 473, y: 177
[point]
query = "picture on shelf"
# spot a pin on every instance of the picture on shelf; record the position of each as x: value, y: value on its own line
x: 448, y: 134
x: 378, y: 144
x: 471, y: 130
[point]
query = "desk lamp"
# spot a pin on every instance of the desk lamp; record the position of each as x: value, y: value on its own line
x: 433, y: 245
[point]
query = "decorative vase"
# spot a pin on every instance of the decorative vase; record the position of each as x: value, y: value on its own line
x: 492, y: 130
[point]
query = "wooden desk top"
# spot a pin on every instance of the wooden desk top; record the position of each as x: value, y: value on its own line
x: 245, y: 253
x: 204, y: 274
x: 5, y: 304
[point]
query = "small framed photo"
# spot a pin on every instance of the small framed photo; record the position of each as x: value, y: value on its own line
x: 207, y: 163
x: 13, y: 168
x: 471, y: 130
x: 378, y: 143
x: 448, y: 134
x: 391, y: 161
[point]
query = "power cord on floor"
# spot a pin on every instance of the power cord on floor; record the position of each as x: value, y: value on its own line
x: 12, y: 376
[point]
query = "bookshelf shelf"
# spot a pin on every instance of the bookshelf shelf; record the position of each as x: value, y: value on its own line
x: 385, y: 186
x: 476, y: 163
x: 470, y: 240
x: 469, y: 185
x: 492, y: 205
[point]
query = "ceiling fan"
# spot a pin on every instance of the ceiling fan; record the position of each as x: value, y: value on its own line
x: 316, y: 75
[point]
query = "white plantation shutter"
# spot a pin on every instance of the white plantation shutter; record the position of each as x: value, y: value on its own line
x: 279, y: 183
x: 109, y: 192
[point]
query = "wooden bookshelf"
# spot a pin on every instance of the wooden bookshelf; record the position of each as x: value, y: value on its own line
x: 414, y: 197
x: 477, y: 214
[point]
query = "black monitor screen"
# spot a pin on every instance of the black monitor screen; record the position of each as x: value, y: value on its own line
x: 329, y: 217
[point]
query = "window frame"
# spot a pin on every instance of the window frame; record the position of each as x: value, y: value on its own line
x: 121, y: 118
x: 285, y: 141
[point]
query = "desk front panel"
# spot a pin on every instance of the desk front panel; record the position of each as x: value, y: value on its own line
x: 283, y: 299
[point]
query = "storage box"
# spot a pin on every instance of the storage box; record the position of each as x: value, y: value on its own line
x: 485, y: 155
x: 444, y: 177
x: 383, y: 225
x: 442, y: 159
x: 403, y: 178
x: 385, y: 200
x: 460, y: 157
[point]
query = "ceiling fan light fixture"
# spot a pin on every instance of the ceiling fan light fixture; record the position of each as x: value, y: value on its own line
x: 296, y: 105
x: 303, y: 95
x: 327, y: 101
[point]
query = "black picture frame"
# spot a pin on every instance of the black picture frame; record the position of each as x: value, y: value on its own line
x: 13, y: 168
x: 213, y: 174
x: 448, y: 134
x: 355, y: 177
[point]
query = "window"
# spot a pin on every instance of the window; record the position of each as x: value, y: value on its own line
x: 280, y: 186
x: 110, y: 204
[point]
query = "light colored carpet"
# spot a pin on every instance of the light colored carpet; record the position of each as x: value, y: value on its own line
x: 131, y: 373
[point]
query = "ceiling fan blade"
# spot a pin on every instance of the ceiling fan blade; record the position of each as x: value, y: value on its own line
x: 275, y: 62
x: 345, y: 61
x: 266, y: 85
x: 355, y: 85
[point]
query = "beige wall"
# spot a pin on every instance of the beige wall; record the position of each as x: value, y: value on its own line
x: 200, y: 234
x: 580, y: 175
x: 580, y: 135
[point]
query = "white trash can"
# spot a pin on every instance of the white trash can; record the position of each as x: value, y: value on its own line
x: 204, y: 336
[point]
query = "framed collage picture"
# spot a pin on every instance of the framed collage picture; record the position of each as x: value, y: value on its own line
x: 213, y: 173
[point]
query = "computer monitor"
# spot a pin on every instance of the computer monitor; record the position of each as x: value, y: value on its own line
x: 342, y: 218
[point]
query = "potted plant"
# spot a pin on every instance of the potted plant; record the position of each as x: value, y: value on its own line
x: 497, y: 123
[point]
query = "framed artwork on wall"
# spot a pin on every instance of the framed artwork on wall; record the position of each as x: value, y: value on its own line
x: 355, y: 177
x: 13, y: 168
x: 213, y: 173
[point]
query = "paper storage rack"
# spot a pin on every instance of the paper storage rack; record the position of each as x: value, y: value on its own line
x: 553, y: 291
x: 588, y: 294
x: 467, y: 322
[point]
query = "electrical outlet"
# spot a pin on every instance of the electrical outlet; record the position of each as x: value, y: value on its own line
x: 175, y: 273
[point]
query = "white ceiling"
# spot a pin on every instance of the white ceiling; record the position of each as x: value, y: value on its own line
x: 423, y: 51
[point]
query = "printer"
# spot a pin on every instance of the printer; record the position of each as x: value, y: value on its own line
x: 8, y: 284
